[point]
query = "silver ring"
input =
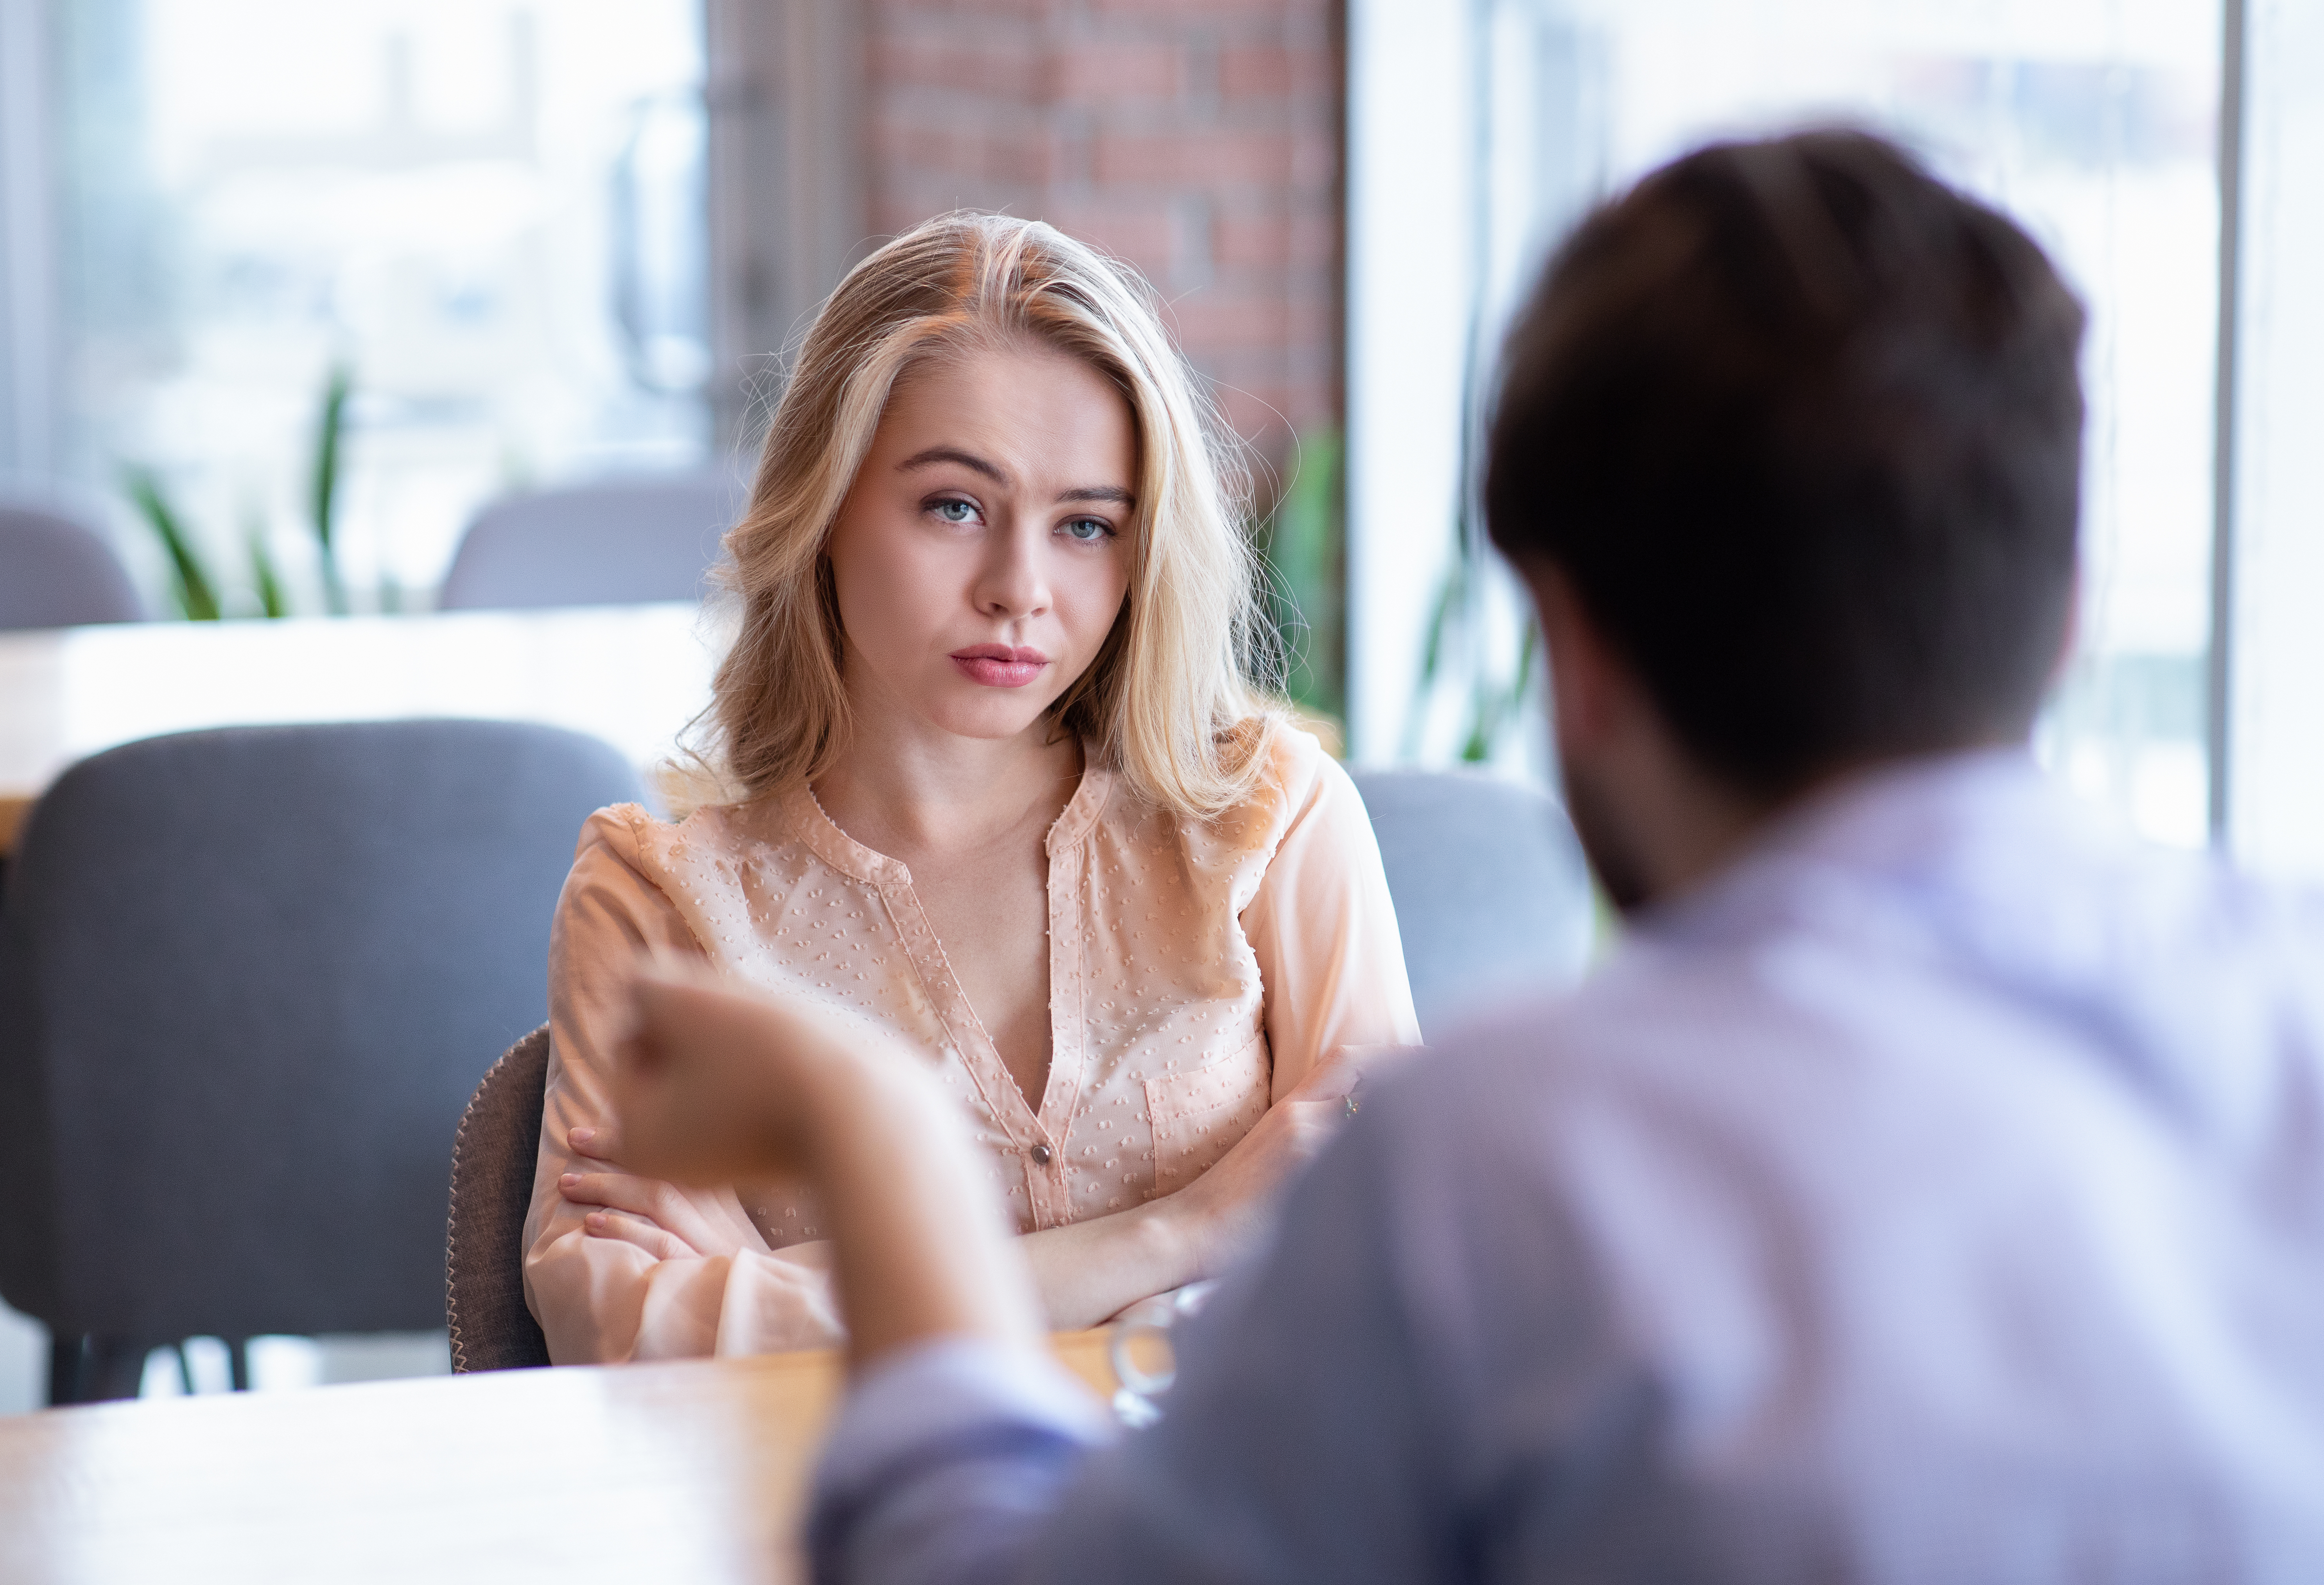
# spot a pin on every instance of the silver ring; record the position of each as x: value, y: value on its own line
x: 1350, y: 1101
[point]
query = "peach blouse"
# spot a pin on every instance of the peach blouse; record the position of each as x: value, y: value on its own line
x: 1198, y: 970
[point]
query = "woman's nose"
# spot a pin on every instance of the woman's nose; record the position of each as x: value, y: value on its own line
x: 1014, y: 581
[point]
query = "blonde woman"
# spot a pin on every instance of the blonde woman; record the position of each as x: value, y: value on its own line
x: 997, y: 787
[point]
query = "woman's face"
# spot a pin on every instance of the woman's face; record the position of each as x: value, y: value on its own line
x: 983, y: 552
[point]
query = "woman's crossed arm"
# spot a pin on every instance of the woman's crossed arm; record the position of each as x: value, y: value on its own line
x: 1082, y: 1273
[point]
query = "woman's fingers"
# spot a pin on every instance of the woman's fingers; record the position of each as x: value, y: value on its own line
x: 629, y: 1229
x: 597, y: 1144
x: 615, y: 1190
x: 663, y: 1204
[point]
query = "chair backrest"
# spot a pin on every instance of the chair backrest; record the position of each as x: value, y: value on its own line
x: 493, y: 1159
x: 55, y: 572
x: 245, y: 979
x: 618, y: 542
x: 1491, y: 891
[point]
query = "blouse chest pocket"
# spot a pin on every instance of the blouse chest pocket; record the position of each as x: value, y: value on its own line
x: 1198, y: 1115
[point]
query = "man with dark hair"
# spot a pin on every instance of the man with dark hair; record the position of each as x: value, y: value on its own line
x: 1931, y: 1188
x: 1799, y: 429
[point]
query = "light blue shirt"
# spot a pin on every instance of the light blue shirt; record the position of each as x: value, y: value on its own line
x: 1935, y: 1195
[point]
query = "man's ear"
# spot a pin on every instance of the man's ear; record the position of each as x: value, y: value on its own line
x: 1587, y: 684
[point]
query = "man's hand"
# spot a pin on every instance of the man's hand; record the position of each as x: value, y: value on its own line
x: 716, y: 1085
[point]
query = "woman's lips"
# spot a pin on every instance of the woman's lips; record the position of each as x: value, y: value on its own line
x: 997, y: 666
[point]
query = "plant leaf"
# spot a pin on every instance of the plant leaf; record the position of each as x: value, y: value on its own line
x: 331, y: 430
x: 271, y: 600
x: 195, y: 590
x: 1527, y: 649
x: 1303, y: 593
x: 1444, y: 622
x: 1484, y: 723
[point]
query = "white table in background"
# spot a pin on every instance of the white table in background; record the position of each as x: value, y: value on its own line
x: 633, y: 675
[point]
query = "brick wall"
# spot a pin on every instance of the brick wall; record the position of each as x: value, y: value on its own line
x: 1199, y: 140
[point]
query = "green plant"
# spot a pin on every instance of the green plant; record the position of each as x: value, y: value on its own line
x: 191, y: 585
x: 195, y: 588
x: 329, y: 432
x: 264, y: 576
x: 1303, y: 544
x: 1459, y: 655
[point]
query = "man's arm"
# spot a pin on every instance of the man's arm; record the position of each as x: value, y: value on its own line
x: 1300, y: 1443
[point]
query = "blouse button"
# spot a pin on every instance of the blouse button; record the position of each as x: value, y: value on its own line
x: 1040, y: 1154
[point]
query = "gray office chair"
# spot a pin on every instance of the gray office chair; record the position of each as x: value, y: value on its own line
x: 55, y: 572
x: 493, y: 1160
x: 1491, y: 891
x: 245, y: 977
x: 618, y: 542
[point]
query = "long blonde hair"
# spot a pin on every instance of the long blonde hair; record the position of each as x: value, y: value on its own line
x: 1174, y: 702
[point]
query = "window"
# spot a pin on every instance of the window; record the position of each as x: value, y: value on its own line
x: 2096, y: 123
x: 2272, y: 730
x: 490, y: 217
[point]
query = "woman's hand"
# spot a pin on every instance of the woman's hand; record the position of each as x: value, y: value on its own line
x: 1221, y: 1213
x: 659, y: 1217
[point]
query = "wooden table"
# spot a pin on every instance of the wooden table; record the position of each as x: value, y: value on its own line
x: 677, y: 1473
x: 633, y: 675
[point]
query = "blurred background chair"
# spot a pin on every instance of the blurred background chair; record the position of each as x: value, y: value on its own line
x: 493, y: 1160
x: 1491, y: 891
x: 615, y: 543
x: 245, y: 977
x: 55, y: 572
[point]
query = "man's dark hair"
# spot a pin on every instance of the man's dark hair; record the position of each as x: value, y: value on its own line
x: 1802, y: 426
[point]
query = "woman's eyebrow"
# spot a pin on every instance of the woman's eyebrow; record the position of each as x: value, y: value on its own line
x: 967, y: 459
x: 1113, y: 494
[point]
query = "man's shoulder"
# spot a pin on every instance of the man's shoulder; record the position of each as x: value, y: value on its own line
x: 1909, y: 1161
x: 2170, y: 984
x: 1956, y: 940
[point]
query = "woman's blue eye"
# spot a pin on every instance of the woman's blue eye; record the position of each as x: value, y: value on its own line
x: 1089, y: 530
x: 953, y: 512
